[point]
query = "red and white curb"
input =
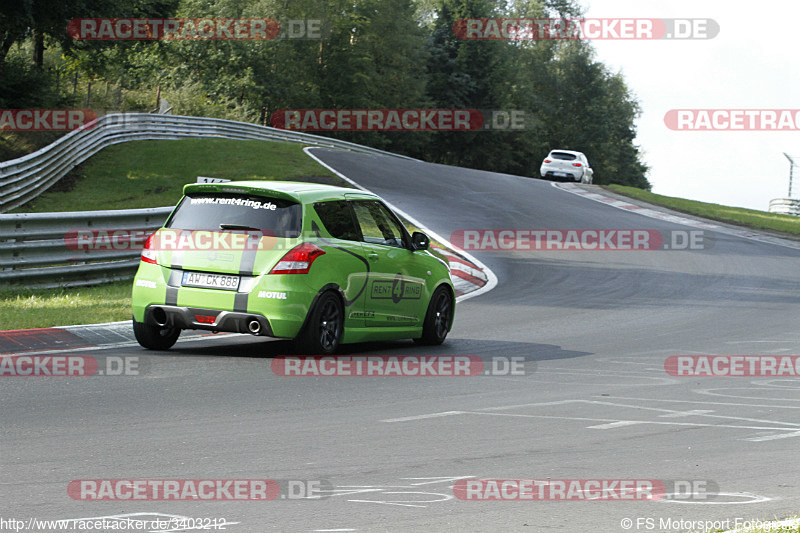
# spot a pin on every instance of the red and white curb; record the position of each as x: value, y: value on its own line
x: 467, y: 276
x: 81, y: 337
x: 574, y: 188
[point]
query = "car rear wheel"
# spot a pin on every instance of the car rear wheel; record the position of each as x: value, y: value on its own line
x: 324, y: 328
x: 438, y: 318
x: 155, y: 337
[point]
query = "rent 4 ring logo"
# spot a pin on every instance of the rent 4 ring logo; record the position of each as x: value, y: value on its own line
x: 396, y: 290
x: 46, y: 119
x: 402, y: 120
x: 580, y: 239
x: 535, y: 29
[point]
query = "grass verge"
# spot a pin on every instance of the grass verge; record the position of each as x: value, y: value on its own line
x: 43, y: 308
x: 750, y: 218
x: 152, y: 173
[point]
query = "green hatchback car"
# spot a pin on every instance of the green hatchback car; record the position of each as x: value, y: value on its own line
x: 319, y: 264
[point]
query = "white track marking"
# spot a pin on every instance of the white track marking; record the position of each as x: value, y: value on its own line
x: 423, y: 417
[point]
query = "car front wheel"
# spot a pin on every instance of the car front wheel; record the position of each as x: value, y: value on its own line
x: 437, y: 319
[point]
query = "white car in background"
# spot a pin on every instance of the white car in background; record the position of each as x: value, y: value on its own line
x: 566, y: 164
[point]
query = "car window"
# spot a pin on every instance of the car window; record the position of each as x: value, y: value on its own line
x: 337, y: 217
x: 563, y: 156
x: 273, y: 216
x: 377, y: 224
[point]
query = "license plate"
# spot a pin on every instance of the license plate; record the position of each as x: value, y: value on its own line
x: 210, y: 281
x: 560, y: 174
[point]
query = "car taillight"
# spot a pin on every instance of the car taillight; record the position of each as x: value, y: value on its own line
x: 298, y: 260
x: 576, y: 164
x: 149, y: 255
x: 547, y: 161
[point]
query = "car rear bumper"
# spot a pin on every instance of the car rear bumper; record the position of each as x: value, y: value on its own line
x: 207, y: 319
x: 551, y: 174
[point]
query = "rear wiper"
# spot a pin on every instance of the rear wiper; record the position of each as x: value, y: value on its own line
x: 238, y: 226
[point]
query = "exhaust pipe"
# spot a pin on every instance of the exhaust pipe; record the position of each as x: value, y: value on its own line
x: 159, y: 316
x: 254, y: 326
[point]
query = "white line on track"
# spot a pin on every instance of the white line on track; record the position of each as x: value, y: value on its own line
x: 747, y: 498
x: 708, y: 392
x: 614, y: 425
x: 681, y: 414
x: 703, y: 402
x: 423, y: 417
x: 777, y: 429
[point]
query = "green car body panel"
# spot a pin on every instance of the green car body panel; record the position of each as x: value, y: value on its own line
x: 385, y: 290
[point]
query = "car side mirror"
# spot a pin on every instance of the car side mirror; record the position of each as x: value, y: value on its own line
x: 419, y: 241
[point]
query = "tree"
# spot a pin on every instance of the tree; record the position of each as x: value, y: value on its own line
x: 467, y: 74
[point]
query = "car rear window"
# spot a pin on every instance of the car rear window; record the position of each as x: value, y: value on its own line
x: 273, y: 216
x: 562, y: 155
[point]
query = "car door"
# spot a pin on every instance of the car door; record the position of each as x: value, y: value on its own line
x: 396, y: 291
x: 346, y: 244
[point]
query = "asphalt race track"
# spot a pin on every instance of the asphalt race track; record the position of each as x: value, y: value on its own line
x: 595, y: 328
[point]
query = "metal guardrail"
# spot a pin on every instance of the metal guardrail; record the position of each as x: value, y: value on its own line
x: 38, y: 250
x: 25, y: 178
x: 71, y: 249
x: 785, y: 206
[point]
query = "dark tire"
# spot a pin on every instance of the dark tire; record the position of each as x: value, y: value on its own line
x: 438, y: 318
x: 155, y: 337
x: 323, y: 331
